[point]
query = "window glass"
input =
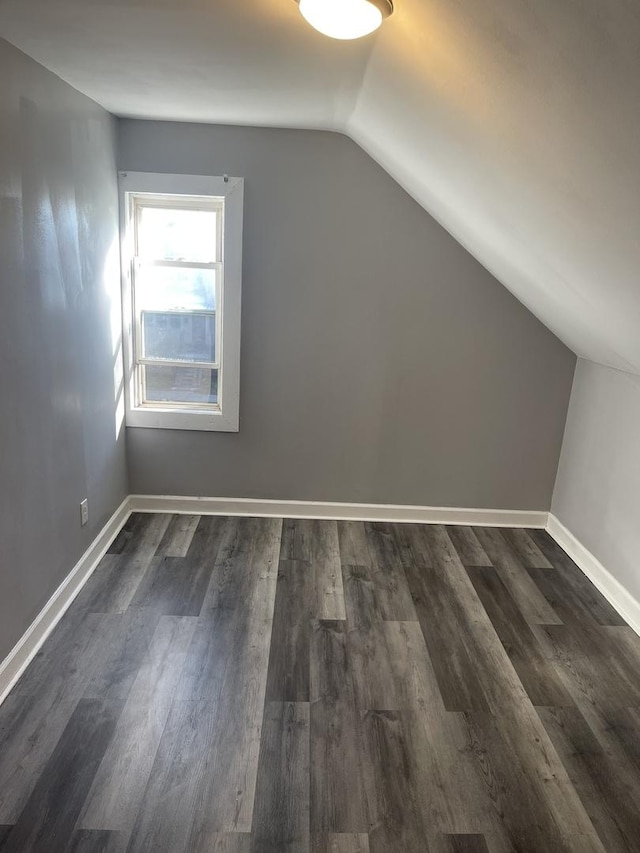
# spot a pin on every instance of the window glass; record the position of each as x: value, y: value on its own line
x: 172, y: 234
x: 175, y: 288
x: 171, y: 384
x: 179, y: 337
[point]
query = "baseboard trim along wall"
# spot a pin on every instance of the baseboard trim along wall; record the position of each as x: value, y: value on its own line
x: 19, y: 658
x: 26, y: 648
x: 338, y: 511
x: 616, y: 594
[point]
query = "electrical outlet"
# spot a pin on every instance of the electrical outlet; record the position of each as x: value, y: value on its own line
x: 84, y: 511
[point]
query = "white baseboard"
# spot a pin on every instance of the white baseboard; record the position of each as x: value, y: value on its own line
x: 264, y: 508
x: 617, y: 595
x: 12, y: 667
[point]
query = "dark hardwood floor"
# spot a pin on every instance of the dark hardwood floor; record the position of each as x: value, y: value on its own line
x: 239, y: 685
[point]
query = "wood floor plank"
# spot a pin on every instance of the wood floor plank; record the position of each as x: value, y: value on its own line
x: 371, y: 661
x: 316, y: 542
x: 374, y: 550
x: 295, y: 610
x: 535, y: 671
x: 34, y: 716
x: 411, y: 545
x: 325, y: 561
x: 227, y: 665
x: 232, y: 639
x: 173, y: 793
x: 521, y: 747
x: 29, y: 731
x: 591, y: 666
x: 50, y: 814
x: 388, y: 574
x: 119, y: 785
x: 77, y: 638
x: 207, y: 538
x: 578, y: 595
x: 610, y: 803
x: 125, y: 641
x: 337, y: 800
x: 93, y: 841
x: 246, y: 567
x: 372, y: 667
x: 625, y: 644
x: 525, y: 548
x: 569, y: 607
x: 126, y: 538
x: 178, y: 536
x: 531, y: 602
x: 309, y: 539
x: 515, y: 773
x: 396, y: 811
x: 416, y: 682
x: 363, y: 605
x: 383, y: 543
x: 468, y: 844
x: 341, y: 843
x: 228, y: 842
x: 467, y: 547
x: 619, y: 729
x: 353, y: 544
x: 141, y: 534
x: 454, y: 797
x: 113, y: 585
x: 281, y: 809
x: 439, y: 615
x: 173, y: 586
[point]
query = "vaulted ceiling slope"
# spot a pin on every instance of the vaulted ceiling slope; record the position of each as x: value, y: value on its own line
x: 516, y: 124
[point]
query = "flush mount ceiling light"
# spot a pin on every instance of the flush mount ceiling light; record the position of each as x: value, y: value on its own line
x: 345, y: 19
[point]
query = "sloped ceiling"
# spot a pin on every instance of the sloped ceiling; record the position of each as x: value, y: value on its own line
x: 516, y: 124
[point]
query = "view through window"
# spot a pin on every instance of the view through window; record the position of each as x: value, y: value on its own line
x: 177, y: 277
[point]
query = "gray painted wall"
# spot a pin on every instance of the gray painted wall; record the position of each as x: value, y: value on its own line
x: 597, y: 493
x: 59, y: 347
x: 380, y: 361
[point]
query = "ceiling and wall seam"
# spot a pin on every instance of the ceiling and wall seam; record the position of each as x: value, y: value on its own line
x: 512, y: 125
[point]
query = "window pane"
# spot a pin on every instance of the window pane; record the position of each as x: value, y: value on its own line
x: 168, y: 384
x: 166, y: 288
x: 170, y: 234
x: 179, y: 337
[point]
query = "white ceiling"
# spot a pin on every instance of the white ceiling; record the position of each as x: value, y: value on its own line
x: 515, y: 123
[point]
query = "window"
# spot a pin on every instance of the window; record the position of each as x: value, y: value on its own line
x: 182, y: 259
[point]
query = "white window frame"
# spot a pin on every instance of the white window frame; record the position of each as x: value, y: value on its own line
x: 224, y: 416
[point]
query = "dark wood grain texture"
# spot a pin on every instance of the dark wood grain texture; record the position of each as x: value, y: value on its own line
x: 341, y: 843
x: 178, y: 536
x: 468, y: 844
x: 537, y: 674
x: 94, y: 841
x: 337, y: 797
x: 609, y: 792
x: 246, y: 685
x: 281, y: 808
x: 295, y: 610
x: 173, y: 586
x: 316, y: 542
x: 48, y: 818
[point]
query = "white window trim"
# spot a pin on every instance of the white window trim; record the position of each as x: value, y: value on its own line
x: 226, y: 418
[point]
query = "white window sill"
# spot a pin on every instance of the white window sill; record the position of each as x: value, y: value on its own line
x: 158, y: 418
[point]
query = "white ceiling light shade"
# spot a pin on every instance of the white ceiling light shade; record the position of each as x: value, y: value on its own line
x: 345, y: 19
